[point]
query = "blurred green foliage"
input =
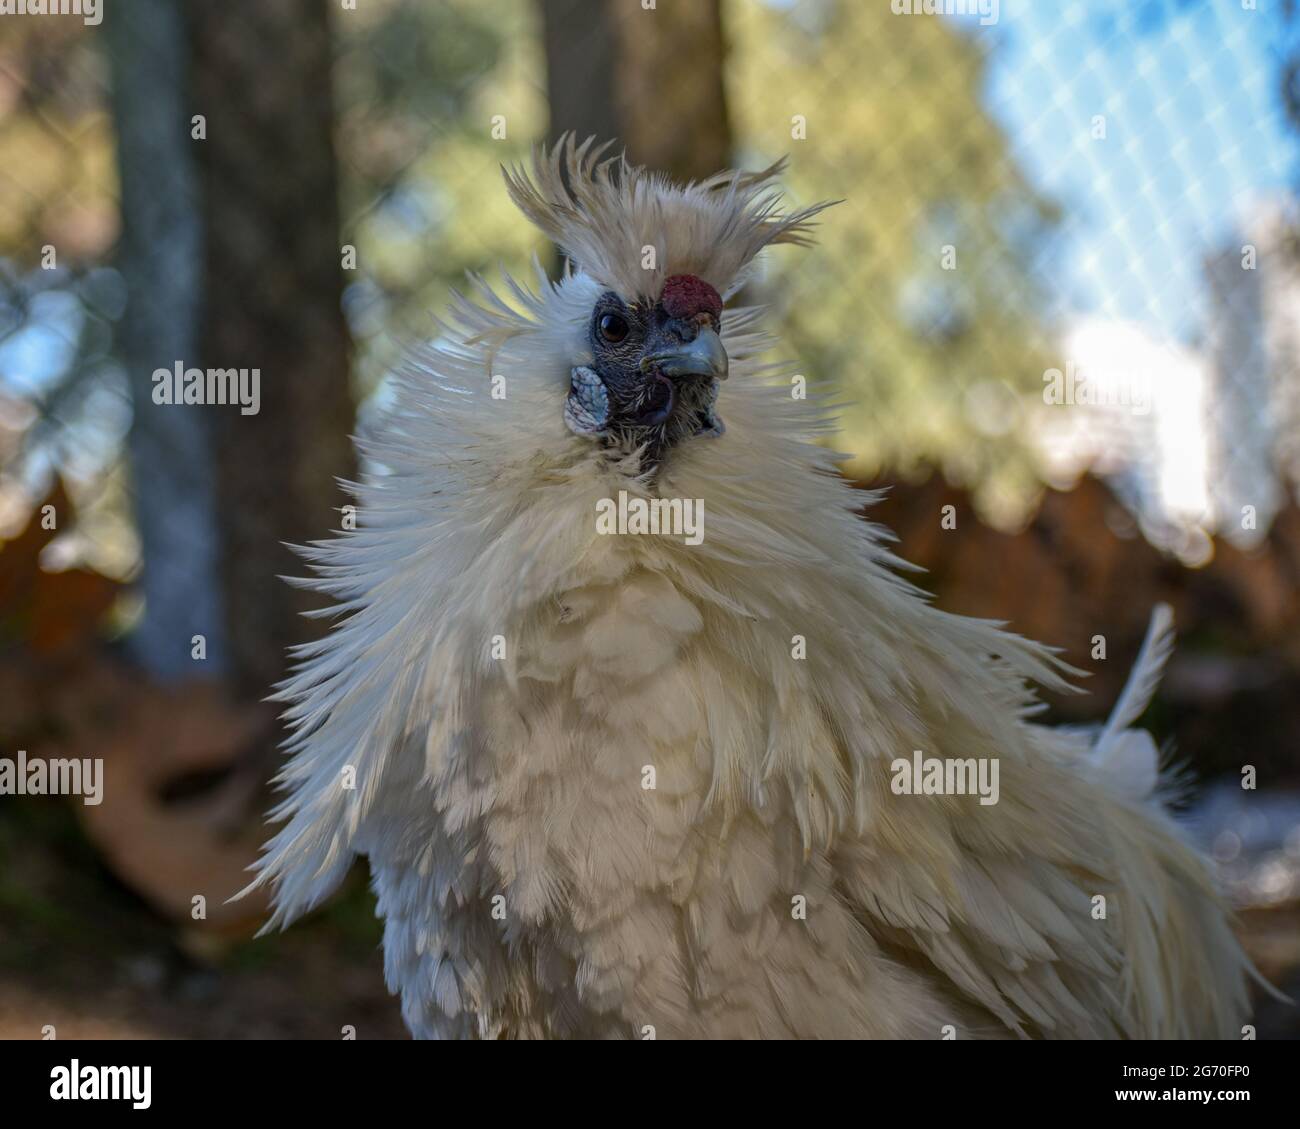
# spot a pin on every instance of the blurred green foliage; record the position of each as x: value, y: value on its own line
x: 929, y: 360
x: 417, y: 87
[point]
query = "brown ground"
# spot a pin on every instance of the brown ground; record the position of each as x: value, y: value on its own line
x: 82, y: 952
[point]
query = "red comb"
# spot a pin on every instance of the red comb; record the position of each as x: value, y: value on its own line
x: 684, y: 296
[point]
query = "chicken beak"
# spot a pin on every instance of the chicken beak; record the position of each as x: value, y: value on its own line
x: 702, y: 356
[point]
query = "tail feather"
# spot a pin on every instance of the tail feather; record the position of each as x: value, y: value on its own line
x: 1127, y: 757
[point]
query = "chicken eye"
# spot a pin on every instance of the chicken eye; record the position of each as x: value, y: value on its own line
x: 613, y: 328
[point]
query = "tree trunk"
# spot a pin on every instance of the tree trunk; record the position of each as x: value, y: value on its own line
x: 650, y: 78
x: 160, y: 257
x: 273, y: 290
x: 671, y: 95
x: 580, y: 44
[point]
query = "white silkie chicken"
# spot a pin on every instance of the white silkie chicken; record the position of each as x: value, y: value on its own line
x: 628, y: 785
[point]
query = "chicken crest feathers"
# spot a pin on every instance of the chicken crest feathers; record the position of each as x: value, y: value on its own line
x: 604, y: 213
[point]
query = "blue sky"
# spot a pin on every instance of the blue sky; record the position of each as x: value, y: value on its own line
x: 1195, y: 135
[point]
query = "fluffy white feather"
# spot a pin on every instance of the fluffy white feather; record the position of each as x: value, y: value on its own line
x: 532, y: 885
